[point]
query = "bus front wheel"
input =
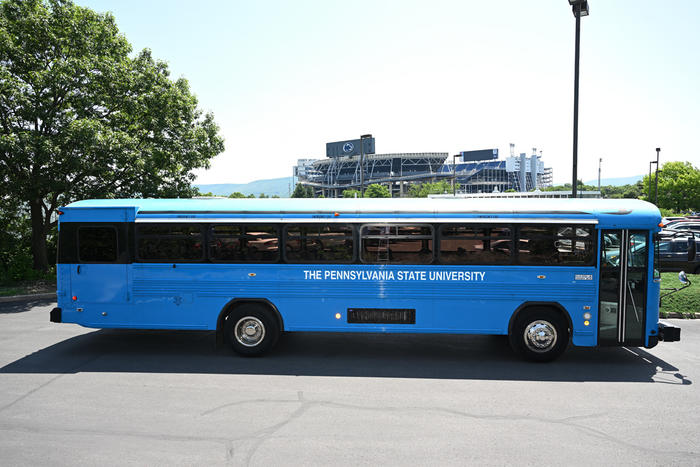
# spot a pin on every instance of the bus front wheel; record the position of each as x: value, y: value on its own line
x: 539, y: 335
x: 251, y: 330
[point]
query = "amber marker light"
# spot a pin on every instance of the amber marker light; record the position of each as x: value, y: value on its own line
x: 336, y: 214
x: 586, y: 323
x: 74, y: 298
x: 337, y: 316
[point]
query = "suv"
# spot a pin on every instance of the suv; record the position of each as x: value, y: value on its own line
x: 673, y: 255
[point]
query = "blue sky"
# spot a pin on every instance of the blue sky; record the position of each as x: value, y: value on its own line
x: 284, y: 77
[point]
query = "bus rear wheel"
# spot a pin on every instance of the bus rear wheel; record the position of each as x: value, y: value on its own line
x: 539, y: 335
x: 251, y: 330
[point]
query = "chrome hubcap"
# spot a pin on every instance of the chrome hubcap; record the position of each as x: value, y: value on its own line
x: 249, y: 331
x: 540, y: 336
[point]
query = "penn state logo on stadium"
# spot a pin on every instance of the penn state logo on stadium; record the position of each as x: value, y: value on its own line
x: 348, y: 147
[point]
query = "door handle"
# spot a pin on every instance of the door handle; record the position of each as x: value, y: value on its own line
x: 78, y: 271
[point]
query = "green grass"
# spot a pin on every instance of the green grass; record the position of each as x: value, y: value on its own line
x: 687, y: 301
x: 8, y: 289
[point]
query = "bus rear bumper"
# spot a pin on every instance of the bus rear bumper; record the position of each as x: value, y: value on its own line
x: 55, y: 316
x: 669, y: 332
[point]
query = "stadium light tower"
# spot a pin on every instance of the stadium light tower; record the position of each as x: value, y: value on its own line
x: 454, y: 175
x: 362, y: 164
x: 579, y: 8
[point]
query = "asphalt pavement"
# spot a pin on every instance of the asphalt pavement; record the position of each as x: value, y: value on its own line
x: 76, y: 396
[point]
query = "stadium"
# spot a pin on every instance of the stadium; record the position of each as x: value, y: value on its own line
x: 351, y: 164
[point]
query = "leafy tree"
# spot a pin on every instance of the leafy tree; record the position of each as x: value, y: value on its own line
x: 310, y: 192
x: 351, y: 193
x: 263, y: 195
x: 80, y: 118
x: 580, y: 186
x: 632, y: 191
x: 679, y: 187
x: 376, y: 190
x: 250, y: 196
x: 236, y: 194
x: 422, y: 190
x: 302, y: 191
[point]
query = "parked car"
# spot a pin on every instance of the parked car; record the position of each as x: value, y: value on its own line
x: 673, y: 255
x: 666, y: 221
x: 689, y: 225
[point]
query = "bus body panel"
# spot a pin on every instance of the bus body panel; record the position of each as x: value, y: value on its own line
x: 447, y: 299
x: 317, y: 297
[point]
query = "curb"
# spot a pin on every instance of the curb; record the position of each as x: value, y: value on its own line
x: 19, y: 298
x: 681, y: 315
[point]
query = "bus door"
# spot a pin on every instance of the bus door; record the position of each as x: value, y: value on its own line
x: 99, y: 279
x: 623, y: 273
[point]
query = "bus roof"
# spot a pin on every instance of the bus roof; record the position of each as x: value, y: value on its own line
x: 622, y: 211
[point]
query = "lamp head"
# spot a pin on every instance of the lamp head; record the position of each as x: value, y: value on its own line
x: 579, y: 5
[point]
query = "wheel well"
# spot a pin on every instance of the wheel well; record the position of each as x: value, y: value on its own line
x: 534, y: 305
x: 236, y: 302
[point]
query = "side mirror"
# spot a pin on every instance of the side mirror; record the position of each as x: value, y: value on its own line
x: 683, y: 278
x: 692, y: 248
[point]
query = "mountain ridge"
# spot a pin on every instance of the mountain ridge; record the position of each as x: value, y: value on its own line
x: 270, y: 187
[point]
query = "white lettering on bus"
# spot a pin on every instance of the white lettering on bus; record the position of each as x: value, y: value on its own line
x: 381, y: 275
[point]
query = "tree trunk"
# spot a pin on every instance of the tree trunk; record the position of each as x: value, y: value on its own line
x: 40, y: 258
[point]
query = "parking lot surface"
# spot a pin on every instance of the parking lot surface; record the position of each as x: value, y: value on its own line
x: 76, y: 396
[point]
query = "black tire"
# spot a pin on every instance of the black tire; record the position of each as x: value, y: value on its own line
x: 539, y: 334
x: 251, y: 329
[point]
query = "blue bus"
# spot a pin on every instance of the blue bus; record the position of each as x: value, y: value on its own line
x: 545, y: 272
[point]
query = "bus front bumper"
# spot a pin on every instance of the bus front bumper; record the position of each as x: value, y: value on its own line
x: 669, y: 332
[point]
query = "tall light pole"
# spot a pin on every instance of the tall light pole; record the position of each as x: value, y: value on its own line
x: 600, y: 162
x: 362, y: 164
x: 454, y: 175
x: 650, y: 162
x: 579, y: 8
x: 656, y: 183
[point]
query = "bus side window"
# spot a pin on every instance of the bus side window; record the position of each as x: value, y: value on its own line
x: 169, y: 242
x: 97, y: 244
x: 244, y: 243
x: 260, y: 244
x: 542, y: 245
x: 467, y: 244
x: 397, y: 244
x: 316, y: 243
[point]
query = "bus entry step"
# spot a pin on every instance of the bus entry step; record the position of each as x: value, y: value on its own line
x: 669, y: 332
